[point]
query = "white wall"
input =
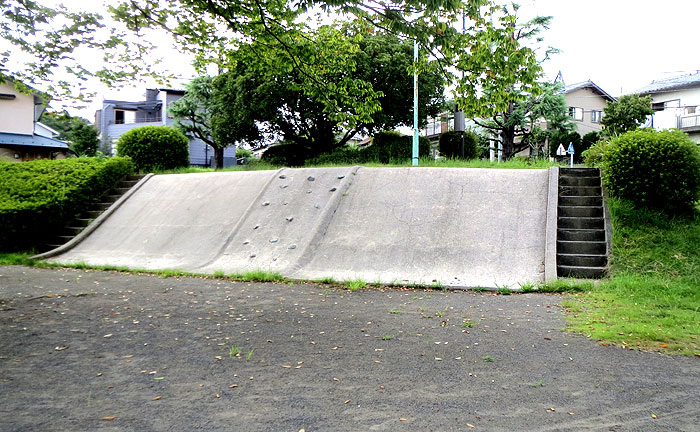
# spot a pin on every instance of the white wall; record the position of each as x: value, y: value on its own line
x: 668, y: 118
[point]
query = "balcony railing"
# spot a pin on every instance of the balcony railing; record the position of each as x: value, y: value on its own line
x: 690, y: 121
x: 148, y: 119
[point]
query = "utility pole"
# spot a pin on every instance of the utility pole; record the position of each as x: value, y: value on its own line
x: 415, y: 102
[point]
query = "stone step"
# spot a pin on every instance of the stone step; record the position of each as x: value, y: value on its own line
x: 580, y: 211
x: 579, y: 172
x: 579, y: 181
x: 91, y: 214
x: 102, y: 206
x: 109, y: 198
x: 580, y: 272
x: 582, y: 260
x: 580, y: 191
x: 72, y: 230
x: 581, y: 247
x: 581, y: 201
x: 580, y: 222
x: 581, y: 234
x: 119, y: 190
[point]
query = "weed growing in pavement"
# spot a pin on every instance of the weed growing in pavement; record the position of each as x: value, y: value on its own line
x: 234, y: 351
x: 467, y: 324
x: 488, y: 359
x: 250, y: 354
x: 527, y: 287
x: 328, y: 280
x: 219, y: 274
x: 503, y: 290
x: 388, y: 337
x: 394, y: 312
x: 356, y: 284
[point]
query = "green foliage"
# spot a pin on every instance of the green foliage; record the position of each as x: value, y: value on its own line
x: 451, y: 145
x: 565, y: 138
x: 243, y: 153
x: 626, y: 114
x: 658, y: 170
x: 593, y: 157
x: 286, y: 154
x: 37, y: 198
x: 81, y: 135
x: 390, y: 146
x: 155, y: 147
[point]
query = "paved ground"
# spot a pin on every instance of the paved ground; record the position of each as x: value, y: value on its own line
x: 463, y: 227
x: 153, y: 354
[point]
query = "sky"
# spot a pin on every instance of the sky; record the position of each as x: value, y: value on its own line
x: 621, y: 45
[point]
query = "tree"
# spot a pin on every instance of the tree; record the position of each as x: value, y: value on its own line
x: 382, y: 61
x: 502, y: 74
x: 82, y: 136
x: 626, y: 114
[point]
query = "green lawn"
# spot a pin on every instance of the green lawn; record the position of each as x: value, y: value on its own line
x: 652, y: 299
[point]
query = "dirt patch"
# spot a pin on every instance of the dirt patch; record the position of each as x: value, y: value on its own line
x: 196, y: 354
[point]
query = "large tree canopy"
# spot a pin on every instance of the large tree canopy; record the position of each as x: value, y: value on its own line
x: 626, y: 114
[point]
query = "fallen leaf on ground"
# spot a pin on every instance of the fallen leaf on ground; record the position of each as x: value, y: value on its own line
x: 107, y: 335
x: 654, y: 416
x: 469, y: 425
x: 347, y: 401
x: 402, y: 419
x: 156, y: 398
x: 218, y: 395
x: 110, y: 418
x: 61, y: 347
x: 233, y: 386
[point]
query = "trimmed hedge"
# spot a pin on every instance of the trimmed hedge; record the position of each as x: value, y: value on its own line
x: 155, y: 147
x: 451, y: 145
x: 286, y: 154
x: 388, y: 146
x: 654, y: 169
x: 37, y: 198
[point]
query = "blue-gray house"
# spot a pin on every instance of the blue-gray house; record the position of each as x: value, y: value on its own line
x: 116, y: 117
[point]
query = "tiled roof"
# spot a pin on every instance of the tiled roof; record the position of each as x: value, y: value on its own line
x: 31, y: 140
x: 586, y: 84
x: 678, y: 82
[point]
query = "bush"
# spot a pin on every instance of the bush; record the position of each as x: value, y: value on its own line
x: 344, y: 155
x: 388, y: 146
x: 37, y: 198
x: 155, y: 147
x: 565, y: 138
x: 286, y: 154
x: 593, y: 156
x: 451, y: 145
x: 658, y: 170
x: 243, y: 153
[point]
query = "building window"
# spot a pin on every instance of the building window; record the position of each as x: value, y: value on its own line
x: 596, y: 116
x: 118, y: 117
x: 576, y: 113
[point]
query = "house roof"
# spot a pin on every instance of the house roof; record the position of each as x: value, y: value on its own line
x: 31, y: 140
x: 673, y: 83
x: 126, y: 105
x: 589, y: 84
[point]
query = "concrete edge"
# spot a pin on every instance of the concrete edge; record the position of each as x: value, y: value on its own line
x: 550, y: 246
x: 95, y: 224
x: 244, y: 216
x: 324, y: 221
x: 607, y: 217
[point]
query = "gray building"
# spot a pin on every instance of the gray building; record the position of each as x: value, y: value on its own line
x: 116, y: 117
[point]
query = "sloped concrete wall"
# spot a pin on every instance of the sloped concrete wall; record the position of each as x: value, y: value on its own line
x: 456, y: 227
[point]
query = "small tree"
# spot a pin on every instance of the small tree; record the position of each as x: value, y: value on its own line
x: 626, y: 114
x: 451, y: 145
x: 82, y: 136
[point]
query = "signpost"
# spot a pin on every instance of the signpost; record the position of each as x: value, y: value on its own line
x: 570, y: 150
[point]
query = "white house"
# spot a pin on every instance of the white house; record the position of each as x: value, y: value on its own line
x: 116, y: 117
x: 676, y: 103
x: 22, y: 136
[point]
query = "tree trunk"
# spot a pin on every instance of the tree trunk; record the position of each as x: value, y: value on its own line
x: 218, y: 158
x: 508, y: 140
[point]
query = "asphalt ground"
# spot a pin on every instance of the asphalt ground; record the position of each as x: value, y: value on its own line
x: 93, y: 350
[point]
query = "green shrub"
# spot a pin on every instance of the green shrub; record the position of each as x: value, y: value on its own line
x: 565, y: 139
x: 344, y: 155
x: 37, y: 198
x: 388, y: 146
x: 658, y: 170
x: 155, y: 147
x: 286, y: 154
x: 593, y: 156
x: 243, y: 153
x: 587, y: 141
x: 451, y: 145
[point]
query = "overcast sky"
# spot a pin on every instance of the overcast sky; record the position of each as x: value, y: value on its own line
x: 621, y: 45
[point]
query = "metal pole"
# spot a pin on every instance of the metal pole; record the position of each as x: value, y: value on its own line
x: 415, y: 103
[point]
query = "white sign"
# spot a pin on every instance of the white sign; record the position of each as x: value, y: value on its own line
x: 561, y: 151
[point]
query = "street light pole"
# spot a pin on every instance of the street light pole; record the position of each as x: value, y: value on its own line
x: 415, y: 102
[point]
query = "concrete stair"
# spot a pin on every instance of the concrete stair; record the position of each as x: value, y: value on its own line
x: 77, y: 225
x: 581, y: 242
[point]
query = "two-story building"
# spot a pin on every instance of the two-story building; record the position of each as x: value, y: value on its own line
x: 586, y: 102
x: 116, y: 117
x: 22, y: 136
x: 676, y: 103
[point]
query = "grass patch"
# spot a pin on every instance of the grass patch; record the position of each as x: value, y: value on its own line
x: 17, y: 258
x: 258, y: 276
x: 652, y: 299
x: 356, y: 284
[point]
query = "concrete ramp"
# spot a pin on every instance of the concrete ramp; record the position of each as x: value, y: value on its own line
x: 456, y: 227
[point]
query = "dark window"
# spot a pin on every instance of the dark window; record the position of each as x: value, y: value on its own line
x: 118, y: 117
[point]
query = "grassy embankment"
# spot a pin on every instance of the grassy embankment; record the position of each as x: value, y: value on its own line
x: 651, y: 300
